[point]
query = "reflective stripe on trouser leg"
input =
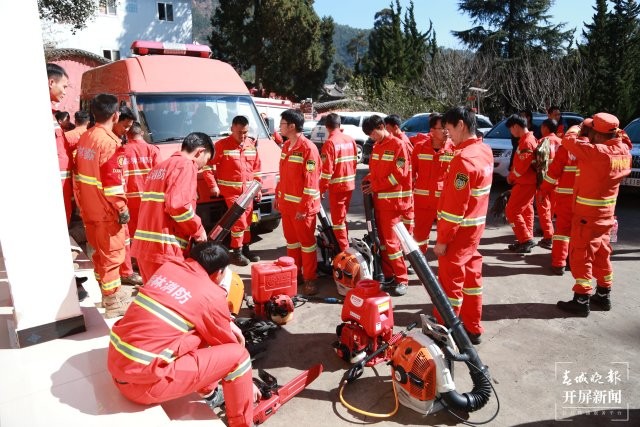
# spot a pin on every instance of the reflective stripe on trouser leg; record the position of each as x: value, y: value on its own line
x: 581, y: 255
x: 561, y: 237
x: 109, y: 252
x: 544, y: 208
x: 126, y: 269
x: 240, y: 227
x: 519, y: 211
x: 602, y: 268
x: 338, y: 206
x: 424, y: 218
x: 460, y: 274
x: 305, y: 230
x: 392, y: 253
x: 408, y: 219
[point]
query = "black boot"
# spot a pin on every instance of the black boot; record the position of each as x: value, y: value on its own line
x: 578, y: 305
x: 238, y: 259
x: 82, y: 292
x: 602, y: 298
x: 249, y: 255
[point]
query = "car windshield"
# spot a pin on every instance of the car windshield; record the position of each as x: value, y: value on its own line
x: 481, y: 122
x: 416, y: 124
x: 172, y: 117
x: 633, y: 130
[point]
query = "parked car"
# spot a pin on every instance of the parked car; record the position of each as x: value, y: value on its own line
x: 351, y: 124
x: 633, y: 130
x: 308, y: 127
x: 499, y: 139
x: 419, y: 123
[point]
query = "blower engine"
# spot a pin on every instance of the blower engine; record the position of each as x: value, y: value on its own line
x: 349, y: 267
x: 367, y: 317
x: 273, y: 284
x: 232, y: 283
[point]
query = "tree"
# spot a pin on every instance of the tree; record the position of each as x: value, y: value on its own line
x: 341, y: 74
x: 397, y: 49
x: 357, y: 47
x: 509, y: 27
x: 611, y: 53
x: 251, y: 33
x: 73, y: 12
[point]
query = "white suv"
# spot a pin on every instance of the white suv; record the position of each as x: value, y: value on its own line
x: 351, y: 124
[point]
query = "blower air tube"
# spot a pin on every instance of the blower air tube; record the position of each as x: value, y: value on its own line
x: 479, y: 395
x: 235, y: 211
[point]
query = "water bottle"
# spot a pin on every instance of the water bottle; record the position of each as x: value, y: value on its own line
x: 613, y: 235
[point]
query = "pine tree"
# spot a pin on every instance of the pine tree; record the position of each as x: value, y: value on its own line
x: 251, y: 33
x: 506, y: 28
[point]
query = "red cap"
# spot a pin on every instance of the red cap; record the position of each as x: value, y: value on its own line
x: 602, y: 122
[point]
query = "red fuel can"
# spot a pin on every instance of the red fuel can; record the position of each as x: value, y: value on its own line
x: 370, y: 307
x: 270, y: 279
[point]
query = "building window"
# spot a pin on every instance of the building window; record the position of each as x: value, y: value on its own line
x: 113, y: 55
x: 131, y: 6
x: 165, y: 11
x: 107, y: 7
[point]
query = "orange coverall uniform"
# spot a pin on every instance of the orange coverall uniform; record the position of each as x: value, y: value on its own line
x: 64, y: 164
x: 519, y: 209
x: 339, y: 162
x: 175, y: 340
x: 462, y: 212
x: 428, y: 169
x: 390, y: 176
x: 299, y: 192
x: 167, y: 219
x: 99, y: 161
x: 561, y: 177
x: 408, y: 216
x: 139, y: 158
x: 545, y: 201
x: 601, y: 167
x: 236, y: 165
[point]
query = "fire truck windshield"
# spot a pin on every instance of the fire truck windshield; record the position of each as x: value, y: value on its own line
x: 172, y: 117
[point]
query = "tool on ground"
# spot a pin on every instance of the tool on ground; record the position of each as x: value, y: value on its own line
x: 327, y: 242
x: 436, y: 347
x: 274, y: 395
x: 235, y: 211
x: 233, y: 284
x: 273, y: 284
x: 499, y: 205
x: 367, y: 317
x: 256, y: 333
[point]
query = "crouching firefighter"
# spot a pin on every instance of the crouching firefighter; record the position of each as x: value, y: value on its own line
x: 178, y: 338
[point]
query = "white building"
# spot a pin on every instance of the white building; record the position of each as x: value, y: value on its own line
x: 119, y: 22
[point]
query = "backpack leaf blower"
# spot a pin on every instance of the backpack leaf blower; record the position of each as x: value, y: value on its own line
x: 410, y: 357
x: 327, y: 242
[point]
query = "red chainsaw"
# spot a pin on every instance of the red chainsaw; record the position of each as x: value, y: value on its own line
x: 274, y: 395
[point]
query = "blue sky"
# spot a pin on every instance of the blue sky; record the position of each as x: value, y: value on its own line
x: 443, y: 13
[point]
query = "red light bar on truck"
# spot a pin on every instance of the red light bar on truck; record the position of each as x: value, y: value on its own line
x: 143, y: 47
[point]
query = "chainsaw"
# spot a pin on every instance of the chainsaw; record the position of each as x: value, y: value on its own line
x: 274, y: 395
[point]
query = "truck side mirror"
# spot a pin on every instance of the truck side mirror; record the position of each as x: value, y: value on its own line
x: 271, y: 125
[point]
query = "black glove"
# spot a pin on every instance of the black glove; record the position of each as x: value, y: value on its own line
x: 124, y: 217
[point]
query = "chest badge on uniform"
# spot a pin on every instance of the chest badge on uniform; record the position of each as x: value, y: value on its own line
x: 310, y: 165
x: 400, y: 162
x: 120, y: 161
x: 461, y: 181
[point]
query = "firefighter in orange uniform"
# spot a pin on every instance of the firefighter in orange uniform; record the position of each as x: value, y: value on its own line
x: 58, y: 82
x: 139, y: 158
x: 389, y: 177
x: 602, y: 163
x: 545, y: 201
x: 73, y: 135
x: 560, y: 179
x: 298, y: 196
x: 167, y: 220
x: 178, y: 338
x: 392, y: 123
x: 462, y: 211
x: 127, y: 275
x: 339, y: 162
x: 519, y: 209
x: 236, y: 164
x: 429, y: 162
x: 102, y: 202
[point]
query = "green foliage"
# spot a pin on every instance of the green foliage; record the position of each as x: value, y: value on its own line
x: 507, y: 28
x: 289, y: 46
x: 612, y: 54
x: 73, y: 12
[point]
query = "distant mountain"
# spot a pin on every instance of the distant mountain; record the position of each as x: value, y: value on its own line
x: 342, y: 35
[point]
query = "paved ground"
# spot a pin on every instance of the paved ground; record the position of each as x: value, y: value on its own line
x: 528, y: 344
